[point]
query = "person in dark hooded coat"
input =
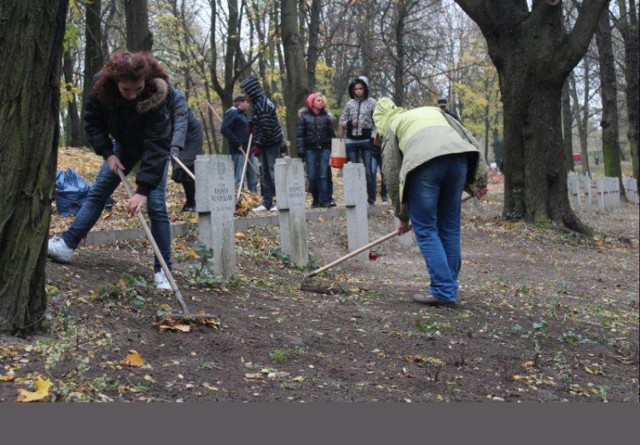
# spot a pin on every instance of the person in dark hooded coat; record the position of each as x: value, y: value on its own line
x: 267, y: 139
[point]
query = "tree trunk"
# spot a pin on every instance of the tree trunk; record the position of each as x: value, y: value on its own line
x: 567, y: 127
x: 29, y: 107
x: 73, y: 126
x: 94, y: 56
x: 399, y: 30
x: 366, y: 15
x: 313, y: 52
x: 582, y: 116
x: 628, y: 26
x: 609, y: 96
x: 139, y: 37
x: 297, y: 84
x: 234, y: 63
x: 533, y: 56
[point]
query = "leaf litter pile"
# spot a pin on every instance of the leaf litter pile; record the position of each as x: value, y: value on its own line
x: 544, y: 315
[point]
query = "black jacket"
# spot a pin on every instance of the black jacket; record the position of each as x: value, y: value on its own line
x: 314, y: 131
x: 143, y: 131
x: 235, y: 127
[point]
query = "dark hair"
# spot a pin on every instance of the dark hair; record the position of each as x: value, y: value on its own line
x: 123, y: 66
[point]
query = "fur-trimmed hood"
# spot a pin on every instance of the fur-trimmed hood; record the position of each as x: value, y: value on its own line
x: 156, y: 99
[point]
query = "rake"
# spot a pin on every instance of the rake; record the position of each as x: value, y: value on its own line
x: 186, y: 313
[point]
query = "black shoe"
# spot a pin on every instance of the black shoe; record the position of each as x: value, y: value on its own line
x: 314, y: 205
x: 325, y: 205
x: 371, y: 202
x: 384, y: 199
x: 187, y: 208
x: 332, y: 203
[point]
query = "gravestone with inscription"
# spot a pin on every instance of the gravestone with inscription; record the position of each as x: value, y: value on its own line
x: 355, y: 202
x: 290, y: 182
x: 215, y: 204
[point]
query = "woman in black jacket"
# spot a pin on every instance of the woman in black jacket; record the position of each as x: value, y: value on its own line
x: 127, y: 121
x: 313, y: 139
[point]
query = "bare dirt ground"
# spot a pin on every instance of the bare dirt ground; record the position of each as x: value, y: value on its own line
x: 543, y: 316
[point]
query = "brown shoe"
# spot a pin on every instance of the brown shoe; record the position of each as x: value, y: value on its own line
x: 432, y: 301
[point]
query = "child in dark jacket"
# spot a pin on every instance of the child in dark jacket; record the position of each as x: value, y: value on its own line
x: 313, y: 139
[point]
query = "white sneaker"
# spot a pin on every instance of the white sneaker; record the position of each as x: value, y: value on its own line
x: 161, y: 280
x: 58, y: 250
x: 274, y: 209
x: 260, y: 208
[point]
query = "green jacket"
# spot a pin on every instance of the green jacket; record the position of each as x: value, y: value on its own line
x: 412, y: 137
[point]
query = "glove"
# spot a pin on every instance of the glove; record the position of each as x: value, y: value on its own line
x: 256, y: 150
x: 175, y: 151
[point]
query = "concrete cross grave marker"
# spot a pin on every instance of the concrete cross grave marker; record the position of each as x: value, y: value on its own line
x: 355, y: 202
x: 215, y: 204
x: 290, y: 190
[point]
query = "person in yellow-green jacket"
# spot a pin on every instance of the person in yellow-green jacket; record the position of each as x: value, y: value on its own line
x: 429, y: 159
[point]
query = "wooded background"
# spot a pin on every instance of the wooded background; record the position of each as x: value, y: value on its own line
x: 414, y: 51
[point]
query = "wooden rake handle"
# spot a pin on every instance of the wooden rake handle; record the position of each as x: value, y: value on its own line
x: 362, y: 249
x: 352, y: 254
x: 244, y: 167
x: 156, y: 249
x: 184, y: 167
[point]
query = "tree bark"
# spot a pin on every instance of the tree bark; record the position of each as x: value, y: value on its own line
x: 139, y: 37
x: 313, y: 51
x: 297, y: 82
x: 609, y: 96
x: 94, y: 56
x: 567, y: 127
x: 628, y: 26
x: 533, y: 56
x: 29, y: 107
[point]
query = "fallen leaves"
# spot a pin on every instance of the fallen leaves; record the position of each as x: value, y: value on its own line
x: 40, y: 394
x: 184, y: 323
x: 133, y: 360
x: 10, y: 376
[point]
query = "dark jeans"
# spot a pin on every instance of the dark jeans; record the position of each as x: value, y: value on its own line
x: 364, y: 150
x: 267, y: 177
x: 433, y: 192
x: 251, y: 178
x: 376, y: 163
x: 318, y: 173
x: 105, y: 184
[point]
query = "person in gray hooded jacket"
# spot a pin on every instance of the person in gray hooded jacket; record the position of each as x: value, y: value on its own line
x: 357, y: 118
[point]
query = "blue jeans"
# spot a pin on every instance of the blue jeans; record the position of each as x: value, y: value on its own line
x: 318, y: 173
x: 364, y: 150
x: 376, y: 163
x: 251, y: 179
x: 105, y: 184
x: 433, y: 192
x: 267, y: 178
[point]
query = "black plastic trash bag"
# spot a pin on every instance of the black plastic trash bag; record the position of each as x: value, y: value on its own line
x: 71, y: 191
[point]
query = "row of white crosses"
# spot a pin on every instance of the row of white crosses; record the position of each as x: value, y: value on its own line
x: 215, y: 204
x: 607, y: 191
